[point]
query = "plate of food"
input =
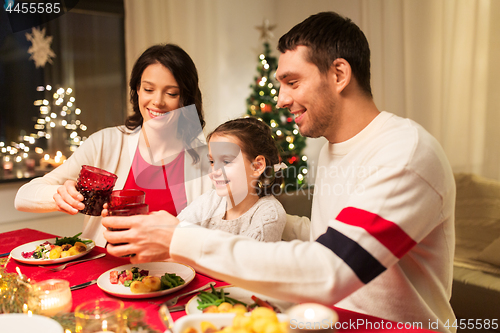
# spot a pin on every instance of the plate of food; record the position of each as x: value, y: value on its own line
x: 216, y: 301
x: 146, y: 280
x: 216, y: 322
x: 53, y: 250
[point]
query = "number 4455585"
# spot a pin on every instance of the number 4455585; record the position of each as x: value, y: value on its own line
x: 473, y: 324
x: 32, y: 8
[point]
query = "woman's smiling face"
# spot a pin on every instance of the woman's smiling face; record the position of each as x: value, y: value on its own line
x: 158, y: 92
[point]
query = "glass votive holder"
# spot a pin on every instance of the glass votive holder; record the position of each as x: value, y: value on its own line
x: 126, y: 197
x: 102, y: 315
x: 312, y: 318
x: 129, y: 210
x: 54, y: 295
x: 96, y: 186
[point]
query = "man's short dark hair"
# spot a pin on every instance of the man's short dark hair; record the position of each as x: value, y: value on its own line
x: 330, y: 36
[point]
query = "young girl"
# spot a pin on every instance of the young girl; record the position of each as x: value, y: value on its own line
x: 245, y: 172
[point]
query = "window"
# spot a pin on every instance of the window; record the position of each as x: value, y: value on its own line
x: 88, y: 42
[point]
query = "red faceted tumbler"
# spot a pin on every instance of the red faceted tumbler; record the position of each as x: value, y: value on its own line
x: 96, y: 186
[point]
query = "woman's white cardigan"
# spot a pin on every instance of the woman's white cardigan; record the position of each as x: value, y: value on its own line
x: 111, y: 149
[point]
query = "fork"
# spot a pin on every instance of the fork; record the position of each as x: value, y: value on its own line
x: 174, y: 300
x: 63, y: 266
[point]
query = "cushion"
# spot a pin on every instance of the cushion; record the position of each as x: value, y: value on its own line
x: 491, y: 254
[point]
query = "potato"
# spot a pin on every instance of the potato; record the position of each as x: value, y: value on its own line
x: 225, y: 307
x: 242, y: 321
x: 272, y: 328
x: 208, y: 327
x: 153, y: 282
x: 137, y: 287
x: 65, y: 254
x: 238, y: 308
x: 73, y: 251
x: 262, y: 312
x: 259, y: 324
x: 211, y: 309
x: 80, y: 247
x: 55, y: 254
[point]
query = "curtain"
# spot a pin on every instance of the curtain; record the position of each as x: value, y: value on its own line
x: 434, y: 61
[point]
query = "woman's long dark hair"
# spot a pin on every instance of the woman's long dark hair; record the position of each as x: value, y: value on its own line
x: 182, y: 67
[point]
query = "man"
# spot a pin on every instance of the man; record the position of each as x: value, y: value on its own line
x: 382, y: 224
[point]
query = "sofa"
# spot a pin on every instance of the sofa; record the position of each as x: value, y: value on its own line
x: 476, y: 276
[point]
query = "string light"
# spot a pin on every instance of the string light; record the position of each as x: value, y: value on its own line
x: 46, y: 122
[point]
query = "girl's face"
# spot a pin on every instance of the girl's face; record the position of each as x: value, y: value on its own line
x: 158, y: 92
x: 230, y: 167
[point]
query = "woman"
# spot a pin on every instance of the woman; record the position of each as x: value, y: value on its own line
x: 159, y: 141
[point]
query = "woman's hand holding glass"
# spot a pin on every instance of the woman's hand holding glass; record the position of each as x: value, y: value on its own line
x: 147, y: 236
x: 68, y: 199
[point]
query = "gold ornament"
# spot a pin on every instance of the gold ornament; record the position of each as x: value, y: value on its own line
x: 265, y: 30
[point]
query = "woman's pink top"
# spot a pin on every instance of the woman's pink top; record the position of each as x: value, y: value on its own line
x: 160, y: 183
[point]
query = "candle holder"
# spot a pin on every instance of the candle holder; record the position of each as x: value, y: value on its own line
x: 54, y: 295
x: 312, y: 318
x: 102, y: 315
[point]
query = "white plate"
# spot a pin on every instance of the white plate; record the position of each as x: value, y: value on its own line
x: 242, y: 295
x: 155, y: 269
x: 29, y: 247
x: 217, y: 319
x: 23, y: 323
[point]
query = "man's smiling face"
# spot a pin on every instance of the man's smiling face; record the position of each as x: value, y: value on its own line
x: 306, y: 92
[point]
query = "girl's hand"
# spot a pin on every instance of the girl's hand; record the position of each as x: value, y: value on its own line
x: 68, y: 199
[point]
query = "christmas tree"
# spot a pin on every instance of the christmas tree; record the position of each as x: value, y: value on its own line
x: 262, y: 105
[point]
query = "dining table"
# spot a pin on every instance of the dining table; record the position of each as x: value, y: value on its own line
x: 349, y: 321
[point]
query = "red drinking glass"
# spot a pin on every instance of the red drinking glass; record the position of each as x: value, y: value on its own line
x: 96, y: 186
x: 126, y: 197
x: 129, y: 210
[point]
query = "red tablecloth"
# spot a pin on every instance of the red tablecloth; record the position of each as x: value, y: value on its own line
x: 348, y: 321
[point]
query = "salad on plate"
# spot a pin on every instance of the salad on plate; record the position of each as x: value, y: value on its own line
x: 61, y: 248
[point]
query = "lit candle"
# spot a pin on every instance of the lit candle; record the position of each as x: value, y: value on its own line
x: 55, y: 296
x: 312, y: 317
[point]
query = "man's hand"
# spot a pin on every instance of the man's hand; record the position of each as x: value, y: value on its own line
x: 68, y: 199
x: 148, y: 236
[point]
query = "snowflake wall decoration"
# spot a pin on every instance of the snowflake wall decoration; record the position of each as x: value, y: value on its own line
x: 40, y: 50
